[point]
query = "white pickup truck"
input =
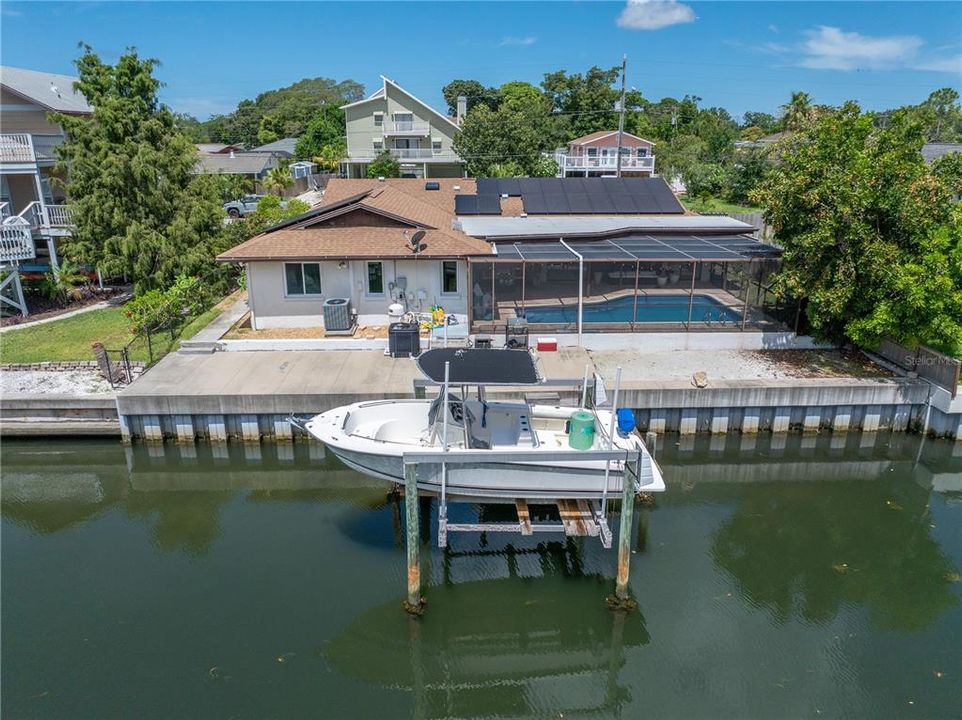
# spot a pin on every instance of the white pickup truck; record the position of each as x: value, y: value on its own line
x: 245, y: 205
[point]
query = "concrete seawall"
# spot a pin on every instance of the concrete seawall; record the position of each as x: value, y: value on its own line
x: 248, y: 396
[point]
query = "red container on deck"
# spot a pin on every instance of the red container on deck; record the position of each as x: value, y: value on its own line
x: 547, y: 344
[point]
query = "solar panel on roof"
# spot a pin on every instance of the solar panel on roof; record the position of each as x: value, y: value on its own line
x: 556, y: 203
x: 578, y: 203
x: 534, y: 204
x: 488, y: 186
x: 489, y: 204
x: 510, y: 187
x: 466, y: 204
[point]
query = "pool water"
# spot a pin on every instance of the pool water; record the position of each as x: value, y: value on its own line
x: 651, y: 309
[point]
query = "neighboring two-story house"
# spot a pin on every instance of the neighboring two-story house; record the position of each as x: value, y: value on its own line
x: 596, y: 155
x: 32, y: 200
x: 417, y: 135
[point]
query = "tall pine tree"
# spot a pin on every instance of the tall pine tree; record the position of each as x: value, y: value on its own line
x: 139, y: 207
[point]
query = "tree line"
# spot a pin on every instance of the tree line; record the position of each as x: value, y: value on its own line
x: 872, y: 234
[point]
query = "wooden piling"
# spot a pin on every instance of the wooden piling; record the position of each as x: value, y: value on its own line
x: 414, y: 603
x: 620, y: 600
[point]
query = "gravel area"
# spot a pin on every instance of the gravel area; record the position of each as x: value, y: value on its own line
x: 734, y: 364
x: 45, y: 382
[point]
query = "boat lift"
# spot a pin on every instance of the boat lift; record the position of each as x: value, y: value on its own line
x: 579, y: 517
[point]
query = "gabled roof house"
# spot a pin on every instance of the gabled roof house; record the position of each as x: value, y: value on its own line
x: 413, y: 132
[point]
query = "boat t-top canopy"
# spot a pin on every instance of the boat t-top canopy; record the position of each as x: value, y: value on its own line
x: 480, y: 366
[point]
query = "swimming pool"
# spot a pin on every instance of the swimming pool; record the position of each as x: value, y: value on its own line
x: 651, y: 309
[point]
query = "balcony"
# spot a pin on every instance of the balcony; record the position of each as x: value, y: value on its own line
x: 16, y: 241
x: 604, y: 162
x: 423, y: 154
x: 27, y: 148
x: 407, y: 127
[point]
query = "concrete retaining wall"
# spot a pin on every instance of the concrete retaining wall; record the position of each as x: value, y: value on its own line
x: 51, y: 415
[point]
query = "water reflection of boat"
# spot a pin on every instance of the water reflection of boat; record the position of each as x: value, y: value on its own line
x: 553, y: 638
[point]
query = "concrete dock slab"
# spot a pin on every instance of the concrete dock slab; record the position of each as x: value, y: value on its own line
x: 282, y: 382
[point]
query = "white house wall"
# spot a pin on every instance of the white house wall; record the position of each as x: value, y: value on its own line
x: 273, y: 308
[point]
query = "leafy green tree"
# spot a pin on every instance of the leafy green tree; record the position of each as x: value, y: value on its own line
x: 473, y: 91
x: 705, y: 179
x: 502, y: 136
x: 509, y: 168
x: 589, y: 101
x: 766, y: 122
x: 948, y: 169
x: 232, y: 186
x: 942, y: 116
x: 749, y: 168
x: 139, y: 208
x: 869, y: 236
x: 325, y: 131
x: 285, y: 112
x: 384, y: 165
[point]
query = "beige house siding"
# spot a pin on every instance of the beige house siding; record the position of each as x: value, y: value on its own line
x: 273, y: 308
x: 362, y: 133
x: 23, y: 116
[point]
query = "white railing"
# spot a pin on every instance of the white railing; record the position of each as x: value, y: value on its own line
x: 4, y: 210
x: 16, y: 241
x: 59, y: 216
x: 17, y: 148
x: 407, y: 127
x: 604, y: 162
x: 38, y: 216
x: 405, y: 154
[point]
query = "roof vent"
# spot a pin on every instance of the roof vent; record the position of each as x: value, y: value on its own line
x: 457, y: 188
x: 232, y: 155
x: 432, y: 186
x: 504, y: 196
x: 524, y: 214
x: 380, y: 178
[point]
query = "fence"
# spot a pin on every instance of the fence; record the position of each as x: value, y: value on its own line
x: 763, y: 231
x: 929, y: 364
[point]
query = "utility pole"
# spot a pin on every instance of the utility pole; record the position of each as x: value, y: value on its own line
x: 621, y: 115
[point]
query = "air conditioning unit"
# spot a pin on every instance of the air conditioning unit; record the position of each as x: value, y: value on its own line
x: 337, y: 315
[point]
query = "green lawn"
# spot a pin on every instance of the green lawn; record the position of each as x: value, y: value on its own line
x: 71, y: 338
x: 716, y: 205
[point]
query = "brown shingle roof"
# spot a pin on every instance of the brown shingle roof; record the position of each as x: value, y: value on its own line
x: 401, y: 199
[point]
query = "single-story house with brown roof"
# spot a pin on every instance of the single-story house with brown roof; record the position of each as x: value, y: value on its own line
x: 567, y: 253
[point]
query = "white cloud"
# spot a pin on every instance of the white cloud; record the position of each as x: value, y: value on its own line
x: 830, y: 48
x: 654, y: 14
x: 519, y: 41
x: 773, y: 28
x: 946, y: 65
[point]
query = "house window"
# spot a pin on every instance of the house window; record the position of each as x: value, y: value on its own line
x: 592, y: 152
x: 303, y: 278
x: 436, y: 147
x: 404, y: 122
x: 378, y: 119
x: 642, y: 152
x: 375, y: 278
x: 378, y: 145
x: 449, y: 277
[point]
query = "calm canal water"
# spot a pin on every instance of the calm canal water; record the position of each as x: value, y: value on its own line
x: 812, y: 577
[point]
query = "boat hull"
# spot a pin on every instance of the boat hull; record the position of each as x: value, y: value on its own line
x: 482, y: 481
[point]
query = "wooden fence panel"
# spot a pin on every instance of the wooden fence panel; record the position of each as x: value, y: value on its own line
x: 929, y: 364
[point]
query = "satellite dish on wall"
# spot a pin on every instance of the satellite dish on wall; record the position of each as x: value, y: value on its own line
x: 417, y: 237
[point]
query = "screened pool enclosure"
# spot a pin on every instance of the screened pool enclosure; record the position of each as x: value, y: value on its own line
x: 630, y: 284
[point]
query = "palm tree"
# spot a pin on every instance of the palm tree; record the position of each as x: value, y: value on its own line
x: 278, y: 178
x: 60, y: 283
x: 798, y: 112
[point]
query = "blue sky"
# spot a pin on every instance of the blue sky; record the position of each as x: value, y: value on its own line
x: 739, y: 55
